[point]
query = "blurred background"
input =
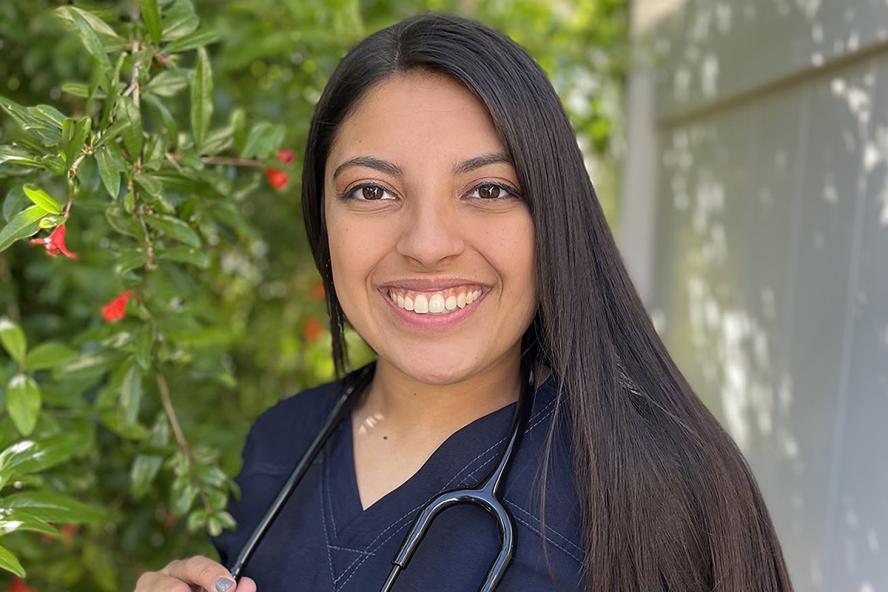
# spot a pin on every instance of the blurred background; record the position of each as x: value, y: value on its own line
x: 754, y: 219
x: 737, y: 149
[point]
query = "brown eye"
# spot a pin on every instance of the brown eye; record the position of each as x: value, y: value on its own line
x: 365, y: 192
x: 371, y: 192
x: 489, y: 191
x: 494, y: 192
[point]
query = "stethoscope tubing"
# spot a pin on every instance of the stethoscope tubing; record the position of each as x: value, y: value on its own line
x: 485, y: 495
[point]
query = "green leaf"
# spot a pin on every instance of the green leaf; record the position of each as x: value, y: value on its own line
x: 201, y: 97
x: 74, y: 135
x: 13, y: 339
x: 16, y: 520
x: 131, y: 395
x: 238, y: 125
x: 119, y: 125
x: 49, y: 354
x: 143, y: 344
x: 151, y: 185
x: 90, y: 40
x: 111, y: 164
x: 218, y: 140
x: 18, y: 156
x: 42, y: 198
x: 132, y: 133
x: 10, y: 563
x: 169, y: 82
x: 151, y: 17
x: 54, y: 507
x: 123, y: 223
x: 181, y: 501
x: 175, y: 228
x: 29, y: 456
x: 192, y: 41
x: 264, y: 138
x: 23, y: 402
x: 144, y: 470
x: 80, y: 89
x: 110, y: 39
x: 14, y: 202
x: 43, y: 122
x: 24, y: 224
x: 185, y: 254
x: 129, y: 259
x: 49, y: 115
x: 179, y: 20
x: 169, y: 122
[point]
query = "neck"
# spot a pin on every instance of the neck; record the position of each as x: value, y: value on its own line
x: 399, y: 406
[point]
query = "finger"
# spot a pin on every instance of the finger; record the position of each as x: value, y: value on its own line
x: 153, y: 581
x: 246, y: 585
x: 202, y: 571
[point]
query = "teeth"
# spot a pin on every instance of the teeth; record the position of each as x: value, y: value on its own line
x: 437, y: 303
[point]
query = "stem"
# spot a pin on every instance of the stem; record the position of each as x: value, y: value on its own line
x: 136, y: 93
x: 167, y: 402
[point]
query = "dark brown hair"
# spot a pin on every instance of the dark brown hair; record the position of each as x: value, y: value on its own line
x: 667, y: 499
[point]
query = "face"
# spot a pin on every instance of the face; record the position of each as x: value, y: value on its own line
x: 422, y: 213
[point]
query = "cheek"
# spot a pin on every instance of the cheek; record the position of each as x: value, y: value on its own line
x: 511, y: 250
x: 355, y: 248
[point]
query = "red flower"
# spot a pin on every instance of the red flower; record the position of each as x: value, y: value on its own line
x: 285, y: 155
x: 55, y: 242
x: 317, y: 290
x: 116, y: 309
x: 313, y: 330
x: 18, y: 585
x: 278, y: 178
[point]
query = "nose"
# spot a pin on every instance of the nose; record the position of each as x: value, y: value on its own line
x: 430, y: 231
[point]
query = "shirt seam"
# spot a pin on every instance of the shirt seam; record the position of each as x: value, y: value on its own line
x: 535, y: 420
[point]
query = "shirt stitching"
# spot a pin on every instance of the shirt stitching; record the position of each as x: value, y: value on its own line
x: 326, y: 538
x: 360, y: 561
x: 326, y: 468
x: 340, y: 548
x: 535, y: 530
x: 565, y: 539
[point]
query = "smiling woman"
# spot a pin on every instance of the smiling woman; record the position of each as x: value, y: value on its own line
x: 456, y: 230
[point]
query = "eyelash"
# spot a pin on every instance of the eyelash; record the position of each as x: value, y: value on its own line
x: 346, y: 195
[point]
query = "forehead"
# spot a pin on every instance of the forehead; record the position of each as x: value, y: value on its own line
x: 416, y: 116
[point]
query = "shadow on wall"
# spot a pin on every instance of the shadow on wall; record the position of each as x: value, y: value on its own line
x: 770, y: 255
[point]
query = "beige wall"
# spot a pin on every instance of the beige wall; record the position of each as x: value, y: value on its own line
x: 755, y: 224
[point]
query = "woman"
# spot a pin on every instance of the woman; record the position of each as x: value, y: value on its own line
x: 456, y: 229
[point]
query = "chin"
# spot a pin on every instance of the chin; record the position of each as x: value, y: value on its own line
x: 437, y: 369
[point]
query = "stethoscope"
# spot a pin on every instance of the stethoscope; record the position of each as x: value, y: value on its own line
x: 484, y: 495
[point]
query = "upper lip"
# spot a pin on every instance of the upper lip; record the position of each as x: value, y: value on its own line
x: 431, y: 284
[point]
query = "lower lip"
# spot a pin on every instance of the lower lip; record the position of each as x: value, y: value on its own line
x: 433, y: 321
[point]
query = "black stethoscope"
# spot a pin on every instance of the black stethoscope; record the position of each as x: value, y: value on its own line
x: 484, y: 495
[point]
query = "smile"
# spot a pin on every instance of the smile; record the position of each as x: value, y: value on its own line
x: 434, y: 310
x: 441, y: 302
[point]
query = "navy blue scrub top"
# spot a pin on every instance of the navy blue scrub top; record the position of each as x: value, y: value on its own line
x: 324, y: 540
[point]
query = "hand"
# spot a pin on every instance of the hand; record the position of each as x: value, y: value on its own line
x: 194, y: 573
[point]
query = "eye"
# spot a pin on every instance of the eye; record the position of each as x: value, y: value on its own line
x: 368, y: 192
x: 490, y: 191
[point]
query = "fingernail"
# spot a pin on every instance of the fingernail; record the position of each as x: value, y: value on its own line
x: 224, y: 584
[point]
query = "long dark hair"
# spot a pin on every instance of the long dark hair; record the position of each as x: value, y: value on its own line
x: 668, y: 501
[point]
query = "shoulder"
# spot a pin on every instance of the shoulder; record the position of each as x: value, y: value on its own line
x: 283, y: 431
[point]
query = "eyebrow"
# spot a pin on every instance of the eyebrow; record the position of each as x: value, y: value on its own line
x: 391, y: 168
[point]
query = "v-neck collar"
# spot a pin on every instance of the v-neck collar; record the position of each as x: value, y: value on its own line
x: 455, y: 463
